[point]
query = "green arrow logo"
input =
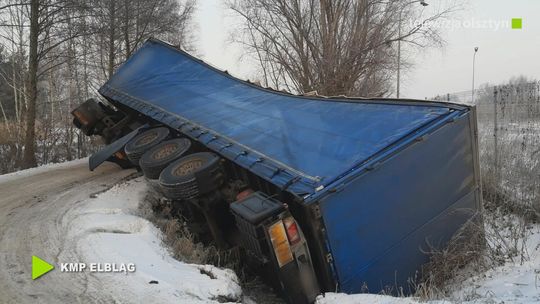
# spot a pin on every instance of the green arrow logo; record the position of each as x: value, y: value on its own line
x: 40, y: 267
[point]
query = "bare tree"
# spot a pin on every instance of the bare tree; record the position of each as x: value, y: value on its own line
x: 57, y: 52
x: 52, y: 24
x: 333, y: 47
x: 46, y: 32
x: 122, y: 26
x: 167, y: 19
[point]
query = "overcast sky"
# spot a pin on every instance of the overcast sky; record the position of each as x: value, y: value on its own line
x: 503, y: 52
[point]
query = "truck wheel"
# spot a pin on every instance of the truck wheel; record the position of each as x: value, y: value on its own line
x: 156, y: 159
x: 136, y: 147
x: 191, y: 176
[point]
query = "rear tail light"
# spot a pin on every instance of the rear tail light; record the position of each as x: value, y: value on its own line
x: 292, y: 230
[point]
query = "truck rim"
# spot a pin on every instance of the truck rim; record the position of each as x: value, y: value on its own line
x: 147, y: 138
x: 164, y: 152
x: 188, y: 167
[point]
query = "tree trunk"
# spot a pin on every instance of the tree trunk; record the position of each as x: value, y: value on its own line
x: 112, y: 17
x: 82, y: 140
x: 29, y: 157
x: 72, y: 88
x: 126, y: 28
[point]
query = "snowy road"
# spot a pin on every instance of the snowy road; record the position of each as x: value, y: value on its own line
x: 67, y: 214
x: 32, y: 207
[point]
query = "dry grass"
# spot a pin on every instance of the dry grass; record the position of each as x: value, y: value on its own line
x: 176, y: 236
x: 510, y: 154
x: 510, y: 168
x: 465, y: 250
x: 183, y: 244
x: 493, y: 238
x: 511, y: 196
x: 9, y: 149
x: 55, y: 142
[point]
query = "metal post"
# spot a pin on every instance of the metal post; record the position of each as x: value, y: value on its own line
x: 399, y: 53
x: 422, y: 3
x: 473, y: 62
x: 495, y: 137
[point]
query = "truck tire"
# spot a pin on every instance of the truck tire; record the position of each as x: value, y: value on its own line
x: 143, y: 142
x: 160, y: 156
x: 192, y: 176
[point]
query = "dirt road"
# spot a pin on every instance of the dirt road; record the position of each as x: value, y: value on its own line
x: 32, y: 222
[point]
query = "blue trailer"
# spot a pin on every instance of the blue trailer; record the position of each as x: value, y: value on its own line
x: 365, y: 184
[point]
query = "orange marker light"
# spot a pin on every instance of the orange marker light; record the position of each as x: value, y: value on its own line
x: 279, y: 240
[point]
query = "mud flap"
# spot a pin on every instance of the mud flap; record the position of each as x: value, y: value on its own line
x: 108, y: 153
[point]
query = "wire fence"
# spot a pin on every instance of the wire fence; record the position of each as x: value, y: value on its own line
x: 509, y: 139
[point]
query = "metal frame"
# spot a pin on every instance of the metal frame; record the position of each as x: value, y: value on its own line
x: 476, y: 154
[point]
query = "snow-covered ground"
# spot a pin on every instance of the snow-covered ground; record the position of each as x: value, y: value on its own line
x: 340, y: 298
x: 41, y: 169
x: 514, y: 282
x: 107, y: 229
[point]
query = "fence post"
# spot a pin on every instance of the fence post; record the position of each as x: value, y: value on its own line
x: 495, y: 137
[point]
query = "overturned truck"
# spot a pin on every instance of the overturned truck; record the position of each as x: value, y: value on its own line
x: 319, y: 193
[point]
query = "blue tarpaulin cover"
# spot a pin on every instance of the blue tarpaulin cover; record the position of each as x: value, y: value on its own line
x: 312, y: 141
